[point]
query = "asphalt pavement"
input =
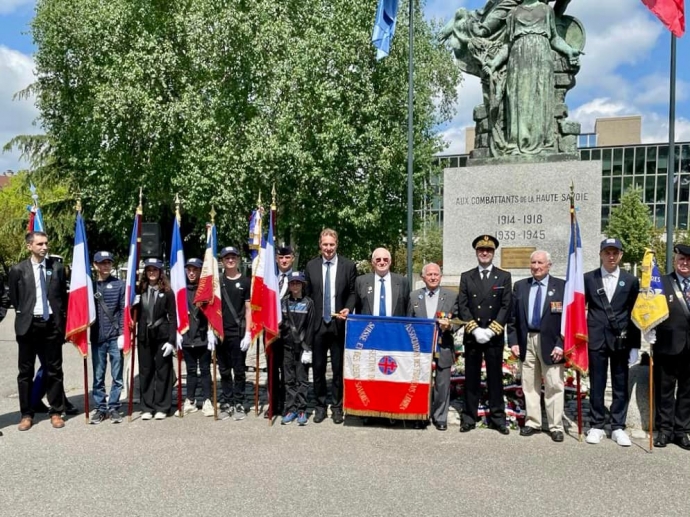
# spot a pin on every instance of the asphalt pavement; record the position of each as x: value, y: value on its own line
x: 197, y: 466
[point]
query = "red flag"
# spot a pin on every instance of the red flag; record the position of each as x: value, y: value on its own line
x: 130, y: 288
x: 258, y: 266
x: 207, y: 296
x: 670, y: 12
x: 574, y: 320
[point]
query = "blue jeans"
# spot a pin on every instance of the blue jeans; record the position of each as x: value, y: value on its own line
x: 100, y: 353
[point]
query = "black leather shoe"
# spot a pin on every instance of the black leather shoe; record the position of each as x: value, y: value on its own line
x: 419, y: 425
x: 441, y: 426
x: 502, y: 429
x: 464, y: 428
x: 319, y: 416
x: 683, y: 442
x: 529, y: 431
x: 661, y: 440
x: 557, y: 436
x: 338, y: 417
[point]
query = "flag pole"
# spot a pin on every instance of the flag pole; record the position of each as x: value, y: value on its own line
x: 179, y: 352
x: 410, y: 142
x: 86, y: 367
x: 578, y: 375
x: 135, y: 317
x: 261, y: 334
x: 269, y: 353
x: 651, y: 400
x: 214, y: 358
x: 670, y: 192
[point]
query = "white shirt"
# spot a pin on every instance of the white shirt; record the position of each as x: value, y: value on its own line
x: 38, y: 308
x: 377, y: 294
x: 533, y: 294
x: 286, y: 281
x: 431, y: 302
x: 610, y: 281
x: 482, y: 269
x: 334, y: 267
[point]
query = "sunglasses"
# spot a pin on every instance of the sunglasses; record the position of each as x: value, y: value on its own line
x: 382, y: 260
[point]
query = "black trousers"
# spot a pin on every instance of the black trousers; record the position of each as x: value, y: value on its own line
x: 296, y: 380
x: 43, y: 340
x: 599, y: 362
x: 198, y: 362
x: 493, y: 355
x: 671, y: 373
x: 231, y: 360
x: 277, y: 376
x: 325, y: 340
x: 155, y: 377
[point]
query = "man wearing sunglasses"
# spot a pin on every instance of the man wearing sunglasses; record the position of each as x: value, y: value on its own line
x: 381, y: 293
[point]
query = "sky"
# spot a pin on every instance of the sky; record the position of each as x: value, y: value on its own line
x: 625, y: 71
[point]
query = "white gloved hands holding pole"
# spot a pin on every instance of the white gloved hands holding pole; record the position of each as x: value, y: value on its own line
x: 634, y: 356
x: 650, y: 337
x: 211, y: 340
x: 167, y: 349
x: 482, y: 335
x: 246, y: 342
x: 121, y: 342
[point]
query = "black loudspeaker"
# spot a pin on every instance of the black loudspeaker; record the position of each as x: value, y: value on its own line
x: 151, y: 245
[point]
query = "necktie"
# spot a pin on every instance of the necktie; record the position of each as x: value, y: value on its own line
x: 431, y: 294
x: 485, y: 275
x: 151, y: 302
x: 327, y: 295
x: 382, y: 300
x: 686, y: 291
x: 44, y: 294
x: 281, y: 283
x: 535, y: 324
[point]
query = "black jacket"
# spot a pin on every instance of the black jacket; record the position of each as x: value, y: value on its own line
x: 162, y: 327
x: 197, y: 335
x: 297, y: 325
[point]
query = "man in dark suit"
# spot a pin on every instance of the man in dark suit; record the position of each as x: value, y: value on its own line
x: 427, y: 302
x: 535, y: 337
x: 381, y: 293
x: 671, y: 340
x: 4, y: 303
x: 610, y: 295
x: 38, y: 292
x: 331, y: 285
x: 484, y: 302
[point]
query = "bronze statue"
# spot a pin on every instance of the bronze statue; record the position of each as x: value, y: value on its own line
x: 527, y: 57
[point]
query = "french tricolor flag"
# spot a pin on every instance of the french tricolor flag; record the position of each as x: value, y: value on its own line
x: 574, y: 320
x: 271, y: 313
x: 208, y: 297
x: 131, y: 287
x: 178, y: 282
x: 387, y: 370
x: 81, y: 308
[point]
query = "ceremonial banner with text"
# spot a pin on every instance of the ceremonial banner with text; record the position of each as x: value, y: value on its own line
x: 388, y: 367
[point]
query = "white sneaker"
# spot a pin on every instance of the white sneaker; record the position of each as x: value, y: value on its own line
x: 160, y: 415
x: 147, y: 416
x: 189, y: 407
x: 595, y: 436
x: 207, y: 409
x: 621, y: 438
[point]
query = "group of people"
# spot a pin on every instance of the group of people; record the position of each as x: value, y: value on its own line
x: 315, y: 304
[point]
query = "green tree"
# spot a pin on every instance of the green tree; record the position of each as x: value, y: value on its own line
x: 631, y: 223
x: 220, y: 101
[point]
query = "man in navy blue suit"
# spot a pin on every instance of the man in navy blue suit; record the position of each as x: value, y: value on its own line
x: 610, y: 295
x: 535, y: 337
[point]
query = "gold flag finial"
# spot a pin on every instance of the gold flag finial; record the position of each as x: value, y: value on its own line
x: 213, y: 215
x: 273, y: 197
x: 177, y: 208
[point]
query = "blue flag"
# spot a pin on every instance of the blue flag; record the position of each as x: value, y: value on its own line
x: 384, y: 27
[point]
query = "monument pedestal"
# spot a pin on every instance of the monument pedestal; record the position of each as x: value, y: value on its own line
x: 526, y: 207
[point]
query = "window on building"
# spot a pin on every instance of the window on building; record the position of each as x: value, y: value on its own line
x: 639, y: 160
x: 651, y: 160
x: 606, y: 162
x: 463, y: 161
x: 685, y: 158
x: 615, y: 190
x: 628, y: 160
x: 682, y: 217
x: 585, y: 155
x: 661, y: 188
x: 660, y: 216
x: 617, y: 163
x: 605, y: 211
x: 606, y: 190
x: 662, y: 161
x: 453, y: 162
x: 650, y: 182
x: 596, y: 154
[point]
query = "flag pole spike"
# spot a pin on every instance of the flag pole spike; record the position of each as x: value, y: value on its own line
x: 273, y: 197
x: 213, y: 214
x: 177, y: 208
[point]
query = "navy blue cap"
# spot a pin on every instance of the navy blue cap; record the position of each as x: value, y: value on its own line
x: 611, y: 243
x: 229, y: 250
x: 683, y: 249
x: 296, y: 276
x: 285, y: 250
x: 195, y: 262
x: 102, y: 256
x: 153, y: 262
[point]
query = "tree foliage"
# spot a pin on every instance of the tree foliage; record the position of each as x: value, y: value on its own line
x: 631, y: 223
x: 221, y: 100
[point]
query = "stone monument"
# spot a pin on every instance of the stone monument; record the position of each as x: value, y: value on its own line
x: 517, y: 182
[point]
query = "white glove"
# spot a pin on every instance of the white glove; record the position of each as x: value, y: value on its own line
x: 137, y: 300
x: 306, y: 357
x: 490, y: 333
x: 167, y: 349
x: 121, y: 342
x: 212, y: 341
x: 634, y: 355
x: 650, y: 337
x: 246, y: 342
x: 178, y: 339
x: 481, y: 336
